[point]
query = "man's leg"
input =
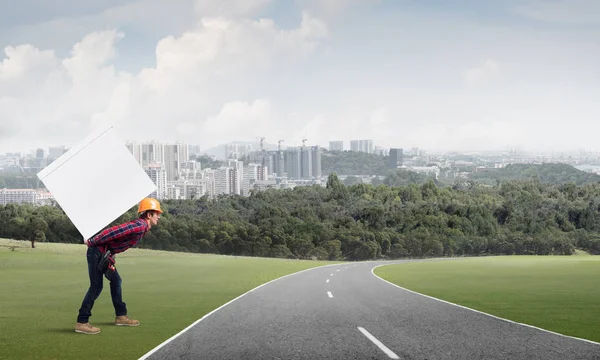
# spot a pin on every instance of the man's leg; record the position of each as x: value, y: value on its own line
x: 96, y: 283
x: 117, y: 294
x: 117, y: 298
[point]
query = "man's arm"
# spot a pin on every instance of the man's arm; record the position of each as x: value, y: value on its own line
x: 115, y: 232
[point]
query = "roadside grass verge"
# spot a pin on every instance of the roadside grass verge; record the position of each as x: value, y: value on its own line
x: 41, y: 291
x: 556, y: 293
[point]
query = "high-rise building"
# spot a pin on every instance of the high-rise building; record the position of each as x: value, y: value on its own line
x: 190, y: 169
x: 237, y: 176
x: 174, y: 156
x: 223, y: 181
x: 279, y: 163
x: 396, y: 158
x: 151, y: 152
x: 174, y: 192
x: 362, y: 146
x: 293, y: 163
x: 302, y: 162
x: 252, y: 174
x: 209, y: 180
x: 336, y: 146
x: 158, y: 175
x: 194, y: 150
x: 316, y: 161
x: 381, y: 151
x: 268, y: 159
x: 306, y: 163
x: 235, y: 151
x: 55, y: 152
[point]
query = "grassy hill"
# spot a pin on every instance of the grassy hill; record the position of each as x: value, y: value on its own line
x: 534, y: 290
x: 42, y: 288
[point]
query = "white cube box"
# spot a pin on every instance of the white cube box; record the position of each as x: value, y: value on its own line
x: 96, y: 181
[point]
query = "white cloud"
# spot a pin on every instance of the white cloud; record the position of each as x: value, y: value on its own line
x: 227, y: 46
x: 90, y: 55
x: 562, y: 11
x: 232, y: 75
x: 247, y: 120
x: 193, y: 76
x: 23, y: 59
x: 52, y: 100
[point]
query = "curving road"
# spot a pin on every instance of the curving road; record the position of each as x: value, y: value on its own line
x: 346, y: 312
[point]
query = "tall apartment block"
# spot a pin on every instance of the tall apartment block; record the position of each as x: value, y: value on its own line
x: 362, y: 146
x: 174, y: 156
x: 170, y: 156
x: 396, y: 158
x: 235, y: 151
x: 158, y: 175
x: 252, y: 174
x: 302, y: 162
x: 237, y: 176
x: 316, y: 161
x: 336, y: 146
x: 223, y: 180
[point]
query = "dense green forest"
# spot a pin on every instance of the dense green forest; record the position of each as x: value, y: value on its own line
x: 353, y: 163
x: 359, y: 222
x: 549, y: 173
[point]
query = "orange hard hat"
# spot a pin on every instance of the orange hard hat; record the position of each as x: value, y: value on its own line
x: 149, y: 204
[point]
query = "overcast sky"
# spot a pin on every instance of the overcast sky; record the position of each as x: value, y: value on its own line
x: 435, y: 74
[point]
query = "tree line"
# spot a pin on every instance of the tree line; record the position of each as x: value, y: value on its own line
x: 358, y: 222
x: 354, y: 163
x: 548, y: 173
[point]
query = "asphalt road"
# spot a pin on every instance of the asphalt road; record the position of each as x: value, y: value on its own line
x: 346, y: 312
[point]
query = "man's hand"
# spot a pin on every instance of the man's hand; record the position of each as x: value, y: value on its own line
x: 86, y: 242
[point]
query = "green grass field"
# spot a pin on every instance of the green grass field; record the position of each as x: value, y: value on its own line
x: 557, y: 293
x: 41, y: 290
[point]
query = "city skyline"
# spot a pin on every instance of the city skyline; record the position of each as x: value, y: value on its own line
x: 199, y: 150
x: 459, y: 75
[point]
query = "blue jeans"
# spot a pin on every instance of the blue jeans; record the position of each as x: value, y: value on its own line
x: 96, y: 282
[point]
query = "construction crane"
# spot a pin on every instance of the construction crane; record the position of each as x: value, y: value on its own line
x: 279, y: 145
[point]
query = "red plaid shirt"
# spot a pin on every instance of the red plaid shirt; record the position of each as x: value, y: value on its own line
x: 120, y: 237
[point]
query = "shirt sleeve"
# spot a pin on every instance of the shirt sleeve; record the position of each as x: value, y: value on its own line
x: 116, y: 232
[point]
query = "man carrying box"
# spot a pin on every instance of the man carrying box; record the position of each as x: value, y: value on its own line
x: 101, y: 260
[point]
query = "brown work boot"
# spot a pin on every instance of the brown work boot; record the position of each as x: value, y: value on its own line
x: 86, y: 328
x: 125, y: 321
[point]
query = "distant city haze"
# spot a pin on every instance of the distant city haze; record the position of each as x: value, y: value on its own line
x: 459, y: 75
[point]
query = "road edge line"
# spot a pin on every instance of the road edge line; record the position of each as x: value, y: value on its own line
x: 478, y: 311
x: 158, y: 347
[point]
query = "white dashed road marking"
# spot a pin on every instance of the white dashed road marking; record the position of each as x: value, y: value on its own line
x: 387, y: 351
